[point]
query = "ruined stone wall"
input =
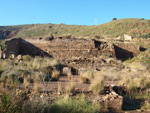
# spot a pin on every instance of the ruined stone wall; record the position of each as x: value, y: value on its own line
x: 20, y: 46
x: 126, y: 50
x: 27, y: 48
x: 12, y: 47
x: 77, y: 53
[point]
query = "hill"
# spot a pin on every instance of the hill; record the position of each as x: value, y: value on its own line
x: 113, y: 29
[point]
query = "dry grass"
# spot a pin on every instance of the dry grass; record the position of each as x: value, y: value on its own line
x: 70, y: 89
x: 69, y: 76
x: 25, y: 83
x: 59, y: 91
x: 55, y: 75
x: 39, y: 63
x: 36, y: 87
x: 86, y: 77
x: 135, y: 80
x: 98, y: 83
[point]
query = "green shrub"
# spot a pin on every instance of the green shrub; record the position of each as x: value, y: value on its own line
x: 75, y: 105
x: 3, y: 46
x: 9, y: 103
x: 114, y: 19
x: 26, y: 58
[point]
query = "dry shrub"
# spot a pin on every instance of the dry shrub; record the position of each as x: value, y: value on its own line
x: 98, y: 84
x: 55, y: 75
x: 86, y: 77
x: 36, y: 63
x: 50, y: 62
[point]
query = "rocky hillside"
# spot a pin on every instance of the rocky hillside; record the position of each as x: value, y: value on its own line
x: 113, y: 29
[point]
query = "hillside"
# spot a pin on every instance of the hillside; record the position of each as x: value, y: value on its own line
x: 113, y: 29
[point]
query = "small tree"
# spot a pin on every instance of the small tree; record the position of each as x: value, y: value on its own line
x: 114, y: 19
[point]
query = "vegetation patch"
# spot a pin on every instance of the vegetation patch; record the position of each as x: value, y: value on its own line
x: 75, y: 105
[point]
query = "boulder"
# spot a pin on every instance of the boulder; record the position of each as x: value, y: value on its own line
x: 19, y: 57
x: 66, y: 70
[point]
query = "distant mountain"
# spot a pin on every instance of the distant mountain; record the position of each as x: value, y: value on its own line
x: 113, y: 29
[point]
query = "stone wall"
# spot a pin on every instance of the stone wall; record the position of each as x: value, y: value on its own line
x: 124, y: 51
x: 77, y: 53
x: 20, y: 46
x: 12, y: 47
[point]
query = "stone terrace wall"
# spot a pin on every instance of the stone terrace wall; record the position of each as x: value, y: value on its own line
x: 77, y: 53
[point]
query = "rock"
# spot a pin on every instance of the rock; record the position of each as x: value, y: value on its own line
x: 112, y: 101
x: 66, y: 70
x: 3, y: 56
x: 19, y: 57
x: 12, y: 56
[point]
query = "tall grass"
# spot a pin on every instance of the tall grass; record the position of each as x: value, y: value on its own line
x: 75, y: 105
x: 97, y: 84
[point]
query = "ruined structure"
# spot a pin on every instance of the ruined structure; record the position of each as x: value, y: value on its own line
x: 77, y: 53
x: 127, y: 37
x: 124, y: 51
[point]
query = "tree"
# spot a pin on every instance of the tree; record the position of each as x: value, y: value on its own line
x: 114, y: 19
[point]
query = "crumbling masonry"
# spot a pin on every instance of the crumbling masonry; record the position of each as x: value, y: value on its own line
x: 77, y: 53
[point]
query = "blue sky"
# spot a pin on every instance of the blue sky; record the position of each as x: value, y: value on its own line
x: 79, y: 12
